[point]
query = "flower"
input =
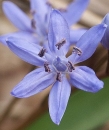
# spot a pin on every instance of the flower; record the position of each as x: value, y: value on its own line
x: 55, y: 68
x: 105, y: 39
x: 26, y: 26
x: 38, y: 25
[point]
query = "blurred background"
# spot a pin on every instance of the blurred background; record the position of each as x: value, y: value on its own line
x: 85, y: 111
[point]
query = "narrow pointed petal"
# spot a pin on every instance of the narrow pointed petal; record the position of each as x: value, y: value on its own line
x: 58, y: 99
x: 25, y: 50
x: 85, y: 79
x: 105, y: 39
x: 40, y: 9
x: 58, y: 32
x: 33, y: 83
x: 75, y: 35
x: 17, y: 16
x: 88, y: 43
x: 25, y: 35
x: 74, y: 11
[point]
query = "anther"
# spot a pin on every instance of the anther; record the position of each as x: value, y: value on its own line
x: 33, y: 23
x: 70, y: 66
x: 42, y: 52
x: 58, y: 77
x: 61, y: 43
x: 77, y: 50
x: 47, y: 69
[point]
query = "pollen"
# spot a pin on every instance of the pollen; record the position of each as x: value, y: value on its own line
x: 42, y: 52
x: 70, y: 66
x: 77, y: 50
x: 46, y: 66
x: 60, y: 44
x: 58, y: 77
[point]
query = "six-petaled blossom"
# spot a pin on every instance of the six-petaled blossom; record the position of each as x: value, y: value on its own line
x: 55, y: 68
x: 36, y: 29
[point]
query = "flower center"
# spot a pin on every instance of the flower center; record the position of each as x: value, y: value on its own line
x: 59, y: 65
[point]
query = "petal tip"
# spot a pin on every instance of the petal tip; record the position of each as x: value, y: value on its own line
x: 15, y: 95
x: 105, y: 25
x: 99, y: 87
x: 57, y: 122
x: 12, y: 93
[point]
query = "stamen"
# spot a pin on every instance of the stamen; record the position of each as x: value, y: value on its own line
x: 47, y: 69
x: 77, y: 50
x: 58, y: 77
x: 70, y: 66
x: 61, y: 43
x: 42, y: 52
x: 33, y: 23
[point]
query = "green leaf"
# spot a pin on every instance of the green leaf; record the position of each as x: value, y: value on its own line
x: 85, y: 111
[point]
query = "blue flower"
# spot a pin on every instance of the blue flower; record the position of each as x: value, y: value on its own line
x: 36, y: 29
x: 55, y: 68
x: 27, y: 27
x: 105, y: 39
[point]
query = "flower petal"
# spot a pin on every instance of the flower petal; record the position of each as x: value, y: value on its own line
x: 17, y: 16
x: 88, y: 43
x: 58, y: 99
x: 105, y: 39
x: 40, y: 9
x: 76, y: 34
x: 25, y: 35
x: 33, y: 83
x: 58, y: 32
x: 85, y: 79
x: 26, y: 51
x: 75, y: 10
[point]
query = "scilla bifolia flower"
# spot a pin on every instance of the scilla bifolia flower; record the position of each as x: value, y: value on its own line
x: 36, y: 29
x: 55, y: 68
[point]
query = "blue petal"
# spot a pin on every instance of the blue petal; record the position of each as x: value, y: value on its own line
x: 33, y: 83
x: 25, y: 50
x: 105, y: 39
x: 17, y: 16
x: 40, y: 8
x: 88, y: 43
x: 85, y: 79
x: 49, y: 55
x: 25, y: 35
x: 75, y: 10
x: 58, y: 31
x: 76, y: 34
x: 58, y: 99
